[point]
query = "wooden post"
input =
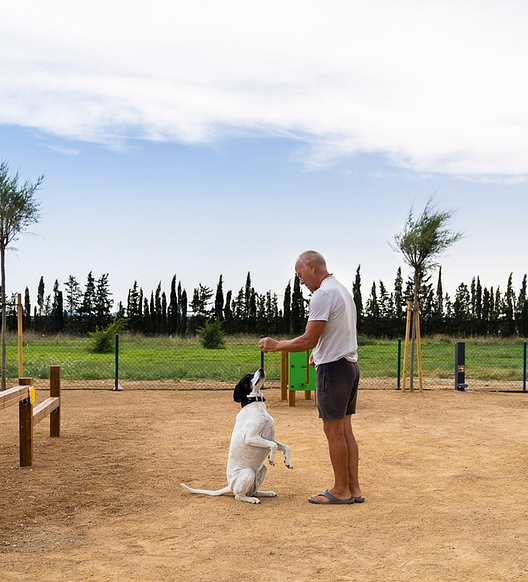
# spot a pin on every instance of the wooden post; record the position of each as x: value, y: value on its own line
x: 406, y: 349
x: 284, y: 375
x: 25, y: 424
x: 307, y: 393
x: 55, y: 392
x: 20, y: 336
x: 419, y: 349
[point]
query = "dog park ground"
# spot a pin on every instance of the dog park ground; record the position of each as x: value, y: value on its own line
x: 445, y: 475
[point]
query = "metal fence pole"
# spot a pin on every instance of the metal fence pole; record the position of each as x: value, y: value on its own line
x: 116, y: 383
x: 399, y: 363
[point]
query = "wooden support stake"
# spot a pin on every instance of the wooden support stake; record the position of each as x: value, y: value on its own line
x: 419, y: 349
x: 20, y: 335
x: 406, y: 349
x: 307, y: 393
x: 25, y: 423
x: 285, y: 371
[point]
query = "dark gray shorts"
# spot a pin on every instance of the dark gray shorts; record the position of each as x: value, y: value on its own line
x: 337, y: 388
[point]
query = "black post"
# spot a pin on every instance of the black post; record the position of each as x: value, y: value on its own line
x: 460, y: 366
x: 262, y: 355
x: 116, y: 381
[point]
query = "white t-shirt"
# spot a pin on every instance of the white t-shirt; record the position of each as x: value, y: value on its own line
x: 333, y: 303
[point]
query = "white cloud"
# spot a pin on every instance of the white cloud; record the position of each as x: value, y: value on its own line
x: 437, y: 87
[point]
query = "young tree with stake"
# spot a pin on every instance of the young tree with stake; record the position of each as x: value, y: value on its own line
x: 421, y: 241
x: 18, y: 210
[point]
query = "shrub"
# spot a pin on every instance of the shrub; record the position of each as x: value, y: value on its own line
x: 102, y: 340
x: 212, y: 335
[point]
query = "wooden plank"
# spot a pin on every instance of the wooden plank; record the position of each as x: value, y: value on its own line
x: 13, y: 395
x: 44, y: 408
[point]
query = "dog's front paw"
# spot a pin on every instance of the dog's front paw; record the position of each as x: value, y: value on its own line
x: 271, y: 460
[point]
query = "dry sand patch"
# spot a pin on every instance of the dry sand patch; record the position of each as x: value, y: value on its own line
x: 445, y: 475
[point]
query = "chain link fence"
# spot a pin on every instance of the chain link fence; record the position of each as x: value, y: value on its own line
x: 161, y: 362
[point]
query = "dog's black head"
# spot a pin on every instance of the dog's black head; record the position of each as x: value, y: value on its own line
x: 250, y: 383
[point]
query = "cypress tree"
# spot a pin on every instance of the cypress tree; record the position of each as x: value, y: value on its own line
x: 356, y: 294
x: 88, y: 304
x: 27, y: 310
x: 509, y: 309
x: 173, y: 309
x: 57, y: 313
x: 297, y: 311
x: 219, y: 300
x: 103, y: 301
x: 287, y: 317
x: 522, y: 310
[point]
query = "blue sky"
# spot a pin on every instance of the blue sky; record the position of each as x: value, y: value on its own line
x: 197, y: 141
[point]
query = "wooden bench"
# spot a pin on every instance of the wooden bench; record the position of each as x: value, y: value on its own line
x: 29, y: 415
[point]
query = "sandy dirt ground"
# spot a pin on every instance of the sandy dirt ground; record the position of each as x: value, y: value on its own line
x: 445, y: 476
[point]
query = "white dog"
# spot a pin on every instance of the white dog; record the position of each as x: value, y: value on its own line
x: 253, y: 440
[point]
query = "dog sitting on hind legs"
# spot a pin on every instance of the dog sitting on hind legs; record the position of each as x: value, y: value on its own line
x: 253, y: 440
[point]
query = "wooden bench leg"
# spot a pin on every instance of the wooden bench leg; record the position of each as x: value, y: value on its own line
x: 25, y: 422
x: 55, y: 392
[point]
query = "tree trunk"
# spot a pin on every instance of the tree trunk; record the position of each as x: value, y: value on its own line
x: 3, y: 297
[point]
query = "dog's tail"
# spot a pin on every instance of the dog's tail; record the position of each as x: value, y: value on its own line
x: 206, y: 491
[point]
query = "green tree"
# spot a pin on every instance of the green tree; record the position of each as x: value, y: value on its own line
x: 73, y: 295
x: 399, y: 301
x: 372, y: 312
x: 27, y: 310
x: 287, y: 309
x: 228, y: 312
x: 134, y: 309
x: 521, y: 315
x: 356, y: 294
x: 57, y: 309
x: 509, y: 308
x: 438, y: 306
x: 39, y: 308
x: 421, y: 242
x: 200, y: 305
x: 88, y: 304
x: 103, y: 301
x: 173, y: 313
x: 462, y: 310
x: 18, y: 210
x: 182, y: 302
x: 298, y: 313
x: 219, y: 300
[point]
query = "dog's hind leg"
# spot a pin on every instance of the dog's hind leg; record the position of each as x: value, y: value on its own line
x: 259, y: 479
x: 243, y: 485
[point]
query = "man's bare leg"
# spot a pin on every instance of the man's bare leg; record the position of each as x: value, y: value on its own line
x: 353, y: 459
x: 338, y: 437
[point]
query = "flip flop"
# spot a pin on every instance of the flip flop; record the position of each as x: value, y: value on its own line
x: 332, y: 500
x: 358, y: 499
